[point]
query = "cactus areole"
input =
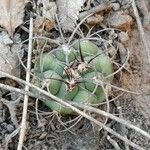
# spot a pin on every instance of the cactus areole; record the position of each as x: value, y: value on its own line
x: 76, y: 74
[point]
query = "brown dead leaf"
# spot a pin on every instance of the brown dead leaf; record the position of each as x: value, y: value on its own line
x: 11, y: 14
x: 41, y: 24
x: 46, y: 22
x: 49, y: 25
x: 121, y: 20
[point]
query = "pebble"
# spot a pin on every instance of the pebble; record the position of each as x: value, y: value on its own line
x: 116, y: 6
x: 43, y: 135
x: 4, y: 125
x: 124, y: 38
x: 10, y: 128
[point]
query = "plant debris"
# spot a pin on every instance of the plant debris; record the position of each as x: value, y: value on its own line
x: 121, y: 20
x: 68, y: 12
x: 9, y: 52
x: 118, y: 122
x: 11, y: 14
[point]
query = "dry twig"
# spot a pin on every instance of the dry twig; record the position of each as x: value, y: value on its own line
x: 25, y: 105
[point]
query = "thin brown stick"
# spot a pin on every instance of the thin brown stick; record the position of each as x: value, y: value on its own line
x: 25, y: 104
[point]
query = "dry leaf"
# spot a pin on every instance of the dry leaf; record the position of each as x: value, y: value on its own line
x: 96, y: 19
x: 11, y: 105
x: 11, y: 14
x: 68, y: 12
x: 121, y: 21
x: 9, y: 61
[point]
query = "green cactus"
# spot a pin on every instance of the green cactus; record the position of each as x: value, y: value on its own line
x: 76, y: 79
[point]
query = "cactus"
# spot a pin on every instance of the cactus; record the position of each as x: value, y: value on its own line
x: 74, y: 75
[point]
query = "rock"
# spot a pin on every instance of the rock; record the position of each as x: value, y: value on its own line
x: 116, y: 6
x: 43, y: 135
x: 10, y: 128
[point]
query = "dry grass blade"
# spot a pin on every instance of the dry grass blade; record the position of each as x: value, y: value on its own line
x: 11, y: 14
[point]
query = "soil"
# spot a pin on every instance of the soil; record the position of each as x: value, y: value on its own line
x: 48, y: 133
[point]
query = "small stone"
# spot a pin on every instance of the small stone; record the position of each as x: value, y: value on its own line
x: 1, y: 137
x: 116, y: 6
x: 10, y: 128
x: 3, y: 132
x: 43, y: 135
x: 1, y: 120
x: 4, y: 124
x: 112, y: 52
x: 112, y: 35
x: 124, y: 38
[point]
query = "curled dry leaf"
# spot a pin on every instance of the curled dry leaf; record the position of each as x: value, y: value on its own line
x: 68, y: 12
x: 11, y: 14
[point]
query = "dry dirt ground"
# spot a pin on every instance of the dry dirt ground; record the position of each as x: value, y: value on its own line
x: 49, y: 134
